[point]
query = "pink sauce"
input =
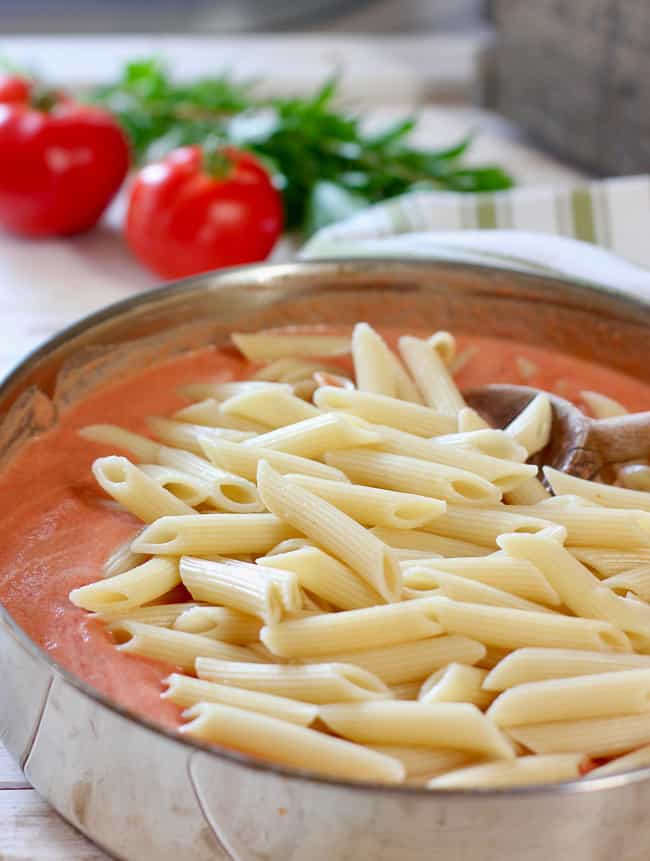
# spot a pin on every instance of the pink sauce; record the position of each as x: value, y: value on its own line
x: 58, y: 530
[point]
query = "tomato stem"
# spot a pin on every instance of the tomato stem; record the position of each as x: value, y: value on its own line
x: 216, y: 161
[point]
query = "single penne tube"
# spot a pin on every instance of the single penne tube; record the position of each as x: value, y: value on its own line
x: 228, y: 492
x: 188, y: 436
x: 491, y: 442
x: 312, y: 437
x: 222, y: 391
x: 418, y: 581
x: 411, y: 475
x: 457, y: 683
x: 186, y: 691
x: 589, y: 525
x: 188, y: 488
x: 636, y: 580
x: 122, y: 559
x: 505, y: 474
x: 286, y: 744
x: 581, y: 591
x: 161, y: 615
x: 272, y: 407
x: 603, y: 494
x: 530, y: 492
x: 384, y: 410
x: 413, y: 539
x: 265, y: 593
x: 517, y: 576
x: 140, y: 585
x: 371, y: 506
x: 514, y: 629
x: 537, y: 665
x: 596, y: 737
x: 221, y: 623
x: 635, y: 476
x: 404, y: 663
x: 432, y: 376
x: 372, y: 371
x: 312, y: 683
x: 209, y: 412
x: 332, y: 530
x: 138, y: 492
x: 291, y: 370
x: 459, y: 726
x: 351, y: 629
x: 606, y: 563
x: 173, y: 647
x: 622, y: 692
x: 484, y: 525
x: 140, y: 447
x: 212, y: 534
x: 637, y: 759
x: 420, y: 761
x: 470, y: 420
x: 532, y: 427
x: 325, y: 577
x: 243, y: 460
x: 600, y: 406
x: 405, y: 691
x: 523, y: 771
x: 260, y: 346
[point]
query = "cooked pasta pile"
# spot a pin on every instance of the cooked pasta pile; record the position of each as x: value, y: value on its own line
x: 383, y: 589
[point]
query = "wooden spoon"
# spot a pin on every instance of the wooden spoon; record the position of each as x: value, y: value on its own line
x: 578, y: 445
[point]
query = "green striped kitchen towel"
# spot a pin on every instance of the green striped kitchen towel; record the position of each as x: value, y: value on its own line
x: 534, y: 229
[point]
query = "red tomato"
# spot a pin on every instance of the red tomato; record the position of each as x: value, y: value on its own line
x: 59, y: 166
x: 185, y: 217
x: 14, y: 89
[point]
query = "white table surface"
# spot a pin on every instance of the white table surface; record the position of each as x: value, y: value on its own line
x: 48, y: 284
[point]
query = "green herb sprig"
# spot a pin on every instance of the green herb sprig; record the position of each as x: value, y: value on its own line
x: 325, y: 163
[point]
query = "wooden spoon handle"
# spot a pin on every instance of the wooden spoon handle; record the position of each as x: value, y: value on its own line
x: 621, y: 438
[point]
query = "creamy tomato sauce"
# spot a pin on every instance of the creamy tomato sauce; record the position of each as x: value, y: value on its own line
x: 58, y: 528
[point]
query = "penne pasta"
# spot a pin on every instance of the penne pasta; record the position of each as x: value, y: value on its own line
x: 386, y: 411
x: 272, y: 407
x: 260, y: 346
x: 411, y: 475
x: 622, y: 692
x: 122, y: 559
x: 514, y: 629
x: 291, y: 370
x: 425, y: 542
x: 423, y: 761
x: 189, y: 489
x: 635, y: 476
x: 404, y: 663
x: 371, y: 506
x: 286, y: 744
x: 484, y: 525
x: 532, y: 427
x: 325, y: 577
x: 313, y: 683
x: 333, y: 530
x: 186, y: 691
x: 530, y: 492
x: 593, y: 491
x: 595, y: 737
x: 405, y: 690
x: 138, y: 492
x: 220, y: 623
x: 173, y: 647
x: 470, y: 420
x: 123, y: 592
x: 211, y: 413
x: 188, y: 436
x: 537, y: 665
x: 458, y: 726
x: 244, y: 460
x: 212, y: 534
x: 312, y: 437
x: 637, y: 759
x: 607, y: 563
x: 491, y: 442
x: 140, y: 447
x: 265, y: 593
x: 352, y: 629
x: 457, y: 683
x: 161, y: 615
x: 600, y: 406
x: 505, y: 474
x: 517, y: 576
x: 523, y: 771
x: 222, y: 391
x: 431, y: 375
x: 636, y: 580
x: 373, y: 369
